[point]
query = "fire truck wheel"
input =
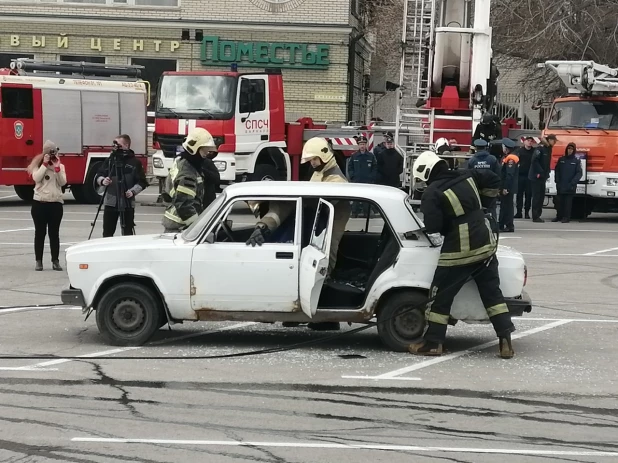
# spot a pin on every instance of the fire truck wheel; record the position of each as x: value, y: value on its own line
x: 87, y: 193
x: 264, y: 173
x: 25, y: 192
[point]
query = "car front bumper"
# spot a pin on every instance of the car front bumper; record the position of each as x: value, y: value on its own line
x: 72, y: 296
x: 518, y: 305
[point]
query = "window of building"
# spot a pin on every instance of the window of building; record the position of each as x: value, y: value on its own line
x: 17, y: 103
x: 79, y: 59
x: 6, y: 58
x: 153, y: 68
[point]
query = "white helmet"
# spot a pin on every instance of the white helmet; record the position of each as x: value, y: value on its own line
x: 424, y: 164
x: 197, y: 139
x: 316, y: 148
x: 440, y: 142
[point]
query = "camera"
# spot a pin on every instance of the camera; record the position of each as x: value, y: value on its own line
x: 53, y: 155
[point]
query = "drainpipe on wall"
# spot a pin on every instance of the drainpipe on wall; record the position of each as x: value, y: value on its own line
x: 351, y: 71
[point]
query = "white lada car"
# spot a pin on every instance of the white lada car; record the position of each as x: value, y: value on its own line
x: 385, y: 264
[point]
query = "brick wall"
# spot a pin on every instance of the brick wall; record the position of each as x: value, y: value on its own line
x: 307, y: 11
x: 119, y: 44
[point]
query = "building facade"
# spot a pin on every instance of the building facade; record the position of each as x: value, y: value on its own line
x: 318, y: 44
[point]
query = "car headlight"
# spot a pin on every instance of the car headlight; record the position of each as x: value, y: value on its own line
x: 220, y: 165
x: 612, y: 182
x: 157, y: 163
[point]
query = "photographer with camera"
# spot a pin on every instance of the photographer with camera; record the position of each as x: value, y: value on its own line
x: 123, y: 177
x: 49, y: 176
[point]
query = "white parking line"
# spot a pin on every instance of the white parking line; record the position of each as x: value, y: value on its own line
x: 30, y: 244
x: 87, y: 212
x: 601, y: 251
x: 566, y: 230
x: 41, y: 366
x: 42, y: 307
x: 9, y: 196
x: 395, y: 374
x: 567, y: 255
x: 336, y: 446
x: 17, y: 230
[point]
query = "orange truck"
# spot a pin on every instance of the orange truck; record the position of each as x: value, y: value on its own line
x: 588, y: 117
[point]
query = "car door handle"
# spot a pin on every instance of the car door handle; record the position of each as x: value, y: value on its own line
x: 315, y: 264
x: 284, y: 255
x: 29, y: 142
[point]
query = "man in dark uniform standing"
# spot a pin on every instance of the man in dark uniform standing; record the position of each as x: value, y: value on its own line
x: 509, y: 175
x: 483, y: 160
x: 390, y: 164
x: 539, y: 173
x: 487, y: 129
x: 452, y: 207
x: 523, y: 185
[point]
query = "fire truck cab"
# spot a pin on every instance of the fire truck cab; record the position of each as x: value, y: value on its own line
x: 244, y: 113
x: 81, y: 107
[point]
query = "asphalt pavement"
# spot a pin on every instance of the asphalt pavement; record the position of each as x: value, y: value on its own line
x: 347, y: 399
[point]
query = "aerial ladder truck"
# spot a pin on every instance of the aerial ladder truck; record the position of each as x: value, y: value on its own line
x: 587, y: 116
x: 447, y: 79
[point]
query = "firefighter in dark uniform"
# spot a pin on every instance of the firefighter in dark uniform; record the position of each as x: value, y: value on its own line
x: 488, y: 129
x: 483, y: 160
x: 452, y: 206
x: 510, y: 177
x: 184, y: 186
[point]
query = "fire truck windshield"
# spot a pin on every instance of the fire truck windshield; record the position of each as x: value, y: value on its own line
x: 585, y: 114
x: 204, y: 97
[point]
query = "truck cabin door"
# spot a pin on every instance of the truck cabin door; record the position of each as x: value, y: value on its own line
x: 252, y: 113
x: 314, y: 259
x: 17, y: 121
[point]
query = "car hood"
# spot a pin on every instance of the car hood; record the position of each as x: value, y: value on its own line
x: 123, y: 243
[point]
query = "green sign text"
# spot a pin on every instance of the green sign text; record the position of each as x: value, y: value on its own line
x: 217, y: 52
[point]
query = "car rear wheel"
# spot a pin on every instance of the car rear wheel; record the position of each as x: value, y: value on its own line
x: 401, y: 320
x: 265, y: 173
x: 128, y: 314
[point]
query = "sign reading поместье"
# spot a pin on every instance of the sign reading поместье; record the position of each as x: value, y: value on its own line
x: 217, y: 52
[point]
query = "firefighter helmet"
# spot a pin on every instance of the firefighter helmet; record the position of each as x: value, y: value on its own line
x: 424, y: 164
x: 316, y: 148
x: 197, y: 139
x: 440, y: 142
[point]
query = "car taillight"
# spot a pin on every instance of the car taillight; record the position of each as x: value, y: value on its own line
x: 525, y: 274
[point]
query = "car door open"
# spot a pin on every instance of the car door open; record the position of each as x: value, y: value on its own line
x: 315, y: 257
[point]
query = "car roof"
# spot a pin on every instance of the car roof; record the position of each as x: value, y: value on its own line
x: 390, y: 199
x: 377, y: 193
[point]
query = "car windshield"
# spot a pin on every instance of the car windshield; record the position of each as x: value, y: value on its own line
x: 208, y: 97
x: 196, y: 228
x: 587, y: 114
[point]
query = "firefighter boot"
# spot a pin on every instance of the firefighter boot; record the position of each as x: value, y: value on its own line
x: 39, y: 265
x: 427, y: 348
x: 56, y: 266
x: 506, y: 347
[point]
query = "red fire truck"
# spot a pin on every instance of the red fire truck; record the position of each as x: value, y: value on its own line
x: 245, y: 113
x: 81, y: 107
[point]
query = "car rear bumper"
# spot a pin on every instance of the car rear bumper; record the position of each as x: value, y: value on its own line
x: 72, y: 296
x: 518, y: 305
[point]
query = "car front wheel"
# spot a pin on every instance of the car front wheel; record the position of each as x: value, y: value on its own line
x: 128, y: 314
x: 401, y: 320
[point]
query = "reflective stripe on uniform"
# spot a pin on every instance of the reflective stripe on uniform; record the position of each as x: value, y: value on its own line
x: 449, y: 259
x: 438, y: 318
x: 185, y: 190
x: 497, y: 310
x: 191, y: 219
x: 455, y: 203
x: 171, y: 214
x: 476, y: 190
x: 491, y: 192
x: 464, y: 238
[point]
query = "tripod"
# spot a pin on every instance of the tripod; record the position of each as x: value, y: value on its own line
x: 117, y: 167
